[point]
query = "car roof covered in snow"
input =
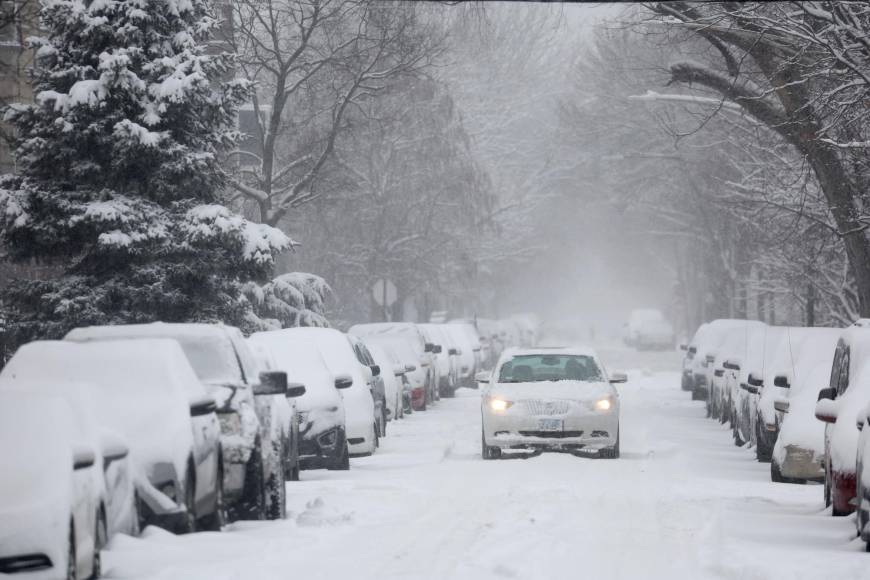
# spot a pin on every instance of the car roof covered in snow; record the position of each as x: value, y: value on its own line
x: 152, y: 329
x: 576, y: 350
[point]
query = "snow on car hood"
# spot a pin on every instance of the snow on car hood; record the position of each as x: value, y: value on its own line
x: 574, y: 390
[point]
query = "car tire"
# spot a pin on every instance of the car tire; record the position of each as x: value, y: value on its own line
x: 827, y: 490
x: 342, y: 463
x: 776, y: 472
x: 101, y: 538
x: 216, y: 520
x: 188, y: 523
x: 71, y: 566
x: 384, y: 420
x: 276, y: 497
x: 252, y: 504
x: 486, y: 451
x: 611, y: 452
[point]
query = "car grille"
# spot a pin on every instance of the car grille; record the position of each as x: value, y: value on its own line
x: 552, y: 434
x: 538, y: 407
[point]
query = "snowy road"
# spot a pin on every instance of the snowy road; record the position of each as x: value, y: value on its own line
x: 682, y: 502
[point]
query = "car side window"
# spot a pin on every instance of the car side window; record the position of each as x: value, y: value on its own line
x: 843, y: 383
x: 835, y: 367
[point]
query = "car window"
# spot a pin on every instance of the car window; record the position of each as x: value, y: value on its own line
x: 549, y: 367
x: 843, y: 383
x: 835, y: 367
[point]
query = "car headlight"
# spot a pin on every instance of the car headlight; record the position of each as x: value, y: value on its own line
x: 603, y: 404
x: 500, y: 405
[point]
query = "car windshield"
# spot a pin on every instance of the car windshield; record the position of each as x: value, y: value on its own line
x: 550, y: 367
x: 213, y: 359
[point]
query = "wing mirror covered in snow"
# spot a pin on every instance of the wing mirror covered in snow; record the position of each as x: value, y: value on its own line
x: 749, y: 388
x: 368, y: 375
x: 482, y: 377
x: 436, y: 349
x: 343, y: 381
x: 203, y: 406
x: 755, y: 380
x: 782, y: 381
x: 429, y: 347
x: 731, y: 364
x: 113, y: 446
x: 781, y: 405
x: 295, y: 390
x: 410, y: 368
x: 83, y: 457
x: 826, y: 410
x: 272, y: 383
x: 454, y: 352
x: 399, y: 370
x: 618, y: 377
x: 719, y: 373
x: 376, y: 370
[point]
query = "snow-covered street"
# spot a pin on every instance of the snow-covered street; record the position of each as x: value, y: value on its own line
x: 681, y: 502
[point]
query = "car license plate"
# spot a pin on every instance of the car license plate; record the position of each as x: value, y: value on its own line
x: 549, y: 424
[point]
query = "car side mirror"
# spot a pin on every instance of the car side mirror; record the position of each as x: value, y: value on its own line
x: 827, y: 410
x: 827, y: 393
x: 482, y: 377
x: 453, y: 351
x: 113, y: 447
x: 781, y: 381
x: 719, y: 373
x: 202, y: 406
x: 731, y: 365
x: 781, y: 405
x: 429, y: 347
x: 436, y: 349
x: 376, y: 370
x: 367, y: 373
x: 749, y: 388
x: 399, y: 370
x: 618, y: 377
x: 295, y: 390
x: 755, y: 380
x: 343, y: 382
x: 83, y: 457
x: 271, y: 383
x: 410, y: 368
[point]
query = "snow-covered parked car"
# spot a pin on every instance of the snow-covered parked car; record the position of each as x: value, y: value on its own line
x: 687, y: 378
x: 799, y: 450
x: 761, y: 345
x: 377, y: 385
x: 445, y: 358
x: 391, y: 373
x: 112, y: 461
x: 256, y: 443
x: 478, y: 347
x: 648, y: 329
x: 424, y: 355
x: 467, y: 356
x: 557, y: 399
x: 146, y: 392
x: 707, y: 342
x: 321, y: 415
x: 839, y: 405
x: 359, y: 406
x: 52, y: 498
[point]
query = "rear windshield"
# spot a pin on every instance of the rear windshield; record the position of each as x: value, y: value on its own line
x: 213, y: 359
x: 550, y: 367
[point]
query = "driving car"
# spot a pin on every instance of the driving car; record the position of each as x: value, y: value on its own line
x: 648, y: 329
x: 550, y: 399
x: 257, y: 444
x: 52, y: 501
x: 146, y: 392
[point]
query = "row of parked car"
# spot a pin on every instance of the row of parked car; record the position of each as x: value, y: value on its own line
x: 799, y: 396
x: 191, y: 426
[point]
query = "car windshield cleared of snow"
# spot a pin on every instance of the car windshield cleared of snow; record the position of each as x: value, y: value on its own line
x: 550, y: 367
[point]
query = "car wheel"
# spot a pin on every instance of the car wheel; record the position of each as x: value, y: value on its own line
x: 188, y: 524
x: 384, y: 420
x: 252, y: 504
x: 101, y: 538
x: 611, y: 452
x: 276, y: 496
x: 71, y: 567
x: 218, y: 518
x: 776, y: 472
x: 342, y: 463
x: 486, y: 451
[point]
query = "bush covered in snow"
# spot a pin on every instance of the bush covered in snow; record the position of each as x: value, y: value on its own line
x: 293, y: 299
x: 120, y: 172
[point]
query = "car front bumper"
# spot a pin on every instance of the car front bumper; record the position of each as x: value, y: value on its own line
x: 321, y: 450
x: 588, y: 431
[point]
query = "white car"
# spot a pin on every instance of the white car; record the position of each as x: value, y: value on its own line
x: 359, y: 405
x: 558, y: 399
x: 52, y: 498
x: 392, y: 375
x: 146, y: 392
x: 647, y: 328
x: 322, y: 439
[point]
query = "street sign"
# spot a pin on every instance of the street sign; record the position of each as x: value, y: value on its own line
x: 384, y: 292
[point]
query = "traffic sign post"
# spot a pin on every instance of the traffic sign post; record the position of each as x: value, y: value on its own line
x: 385, y: 294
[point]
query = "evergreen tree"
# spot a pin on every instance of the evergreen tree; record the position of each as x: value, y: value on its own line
x: 120, y: 175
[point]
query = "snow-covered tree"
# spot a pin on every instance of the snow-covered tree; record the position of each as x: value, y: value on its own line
x: 121, y: 177
x: 289, y: 300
